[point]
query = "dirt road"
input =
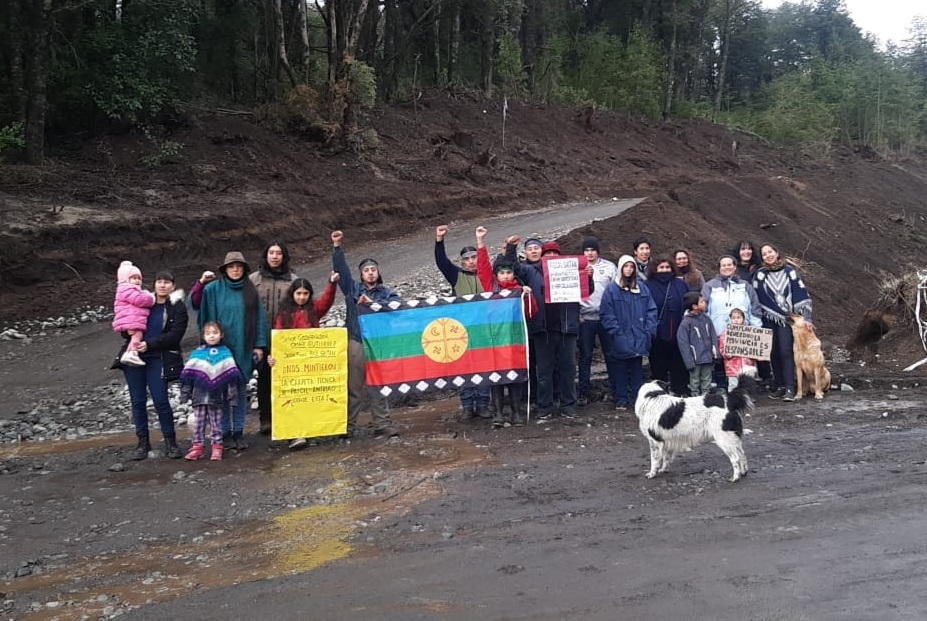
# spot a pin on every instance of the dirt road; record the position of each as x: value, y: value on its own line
x: 462, y: 522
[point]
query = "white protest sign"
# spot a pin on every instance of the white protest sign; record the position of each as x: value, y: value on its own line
x: 748, y: 341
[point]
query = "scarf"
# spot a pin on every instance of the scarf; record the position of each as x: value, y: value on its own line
x: 210, y: 368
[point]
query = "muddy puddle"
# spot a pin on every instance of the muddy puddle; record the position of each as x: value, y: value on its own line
x: 358, y: 486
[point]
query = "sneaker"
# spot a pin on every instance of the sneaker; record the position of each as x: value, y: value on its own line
x: 789, y: 395
x: 582, y: 402
x: 196, y: 452
x: 568, y: 414
x: 227, y: 442
x: 298, y: 443
x: 132, y: 359
x: 216, y: 454
x: 778, y: 394
x: 621, y: 407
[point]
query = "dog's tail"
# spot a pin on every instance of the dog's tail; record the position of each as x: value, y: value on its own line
x: 739, y: 403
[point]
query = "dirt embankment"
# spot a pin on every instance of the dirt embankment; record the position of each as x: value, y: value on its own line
x: 235, y: 185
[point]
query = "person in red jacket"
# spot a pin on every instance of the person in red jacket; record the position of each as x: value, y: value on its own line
x: 299, y: 311
x: 495, y: 278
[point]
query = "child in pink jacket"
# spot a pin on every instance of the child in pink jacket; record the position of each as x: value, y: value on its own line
x: 131, y: 309
x: 736, y: 365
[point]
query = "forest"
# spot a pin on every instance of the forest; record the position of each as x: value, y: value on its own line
x: 803, y: 75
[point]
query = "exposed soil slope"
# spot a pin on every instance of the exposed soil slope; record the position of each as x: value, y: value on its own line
x: 235, y: 184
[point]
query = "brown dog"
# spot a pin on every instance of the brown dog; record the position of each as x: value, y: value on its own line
x: 810, y: 371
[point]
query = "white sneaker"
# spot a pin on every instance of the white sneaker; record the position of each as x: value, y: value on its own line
x: 132, y: 359
x: 298, y: 443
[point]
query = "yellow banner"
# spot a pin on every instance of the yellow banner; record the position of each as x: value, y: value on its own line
x: 309, y: 383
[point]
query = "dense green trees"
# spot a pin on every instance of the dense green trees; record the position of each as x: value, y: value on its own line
x: 802, y: 75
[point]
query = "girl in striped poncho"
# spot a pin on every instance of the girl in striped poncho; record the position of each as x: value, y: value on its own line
x: 210, y: 379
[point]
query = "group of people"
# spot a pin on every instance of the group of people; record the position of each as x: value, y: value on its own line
x: 658, y: 307
x: 236, y: 309
x: 661, y: 308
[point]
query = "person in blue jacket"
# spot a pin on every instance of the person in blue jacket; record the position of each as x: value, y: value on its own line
x: 629, y: 314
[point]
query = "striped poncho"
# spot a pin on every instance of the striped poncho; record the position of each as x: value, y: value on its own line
x: 210, y: 375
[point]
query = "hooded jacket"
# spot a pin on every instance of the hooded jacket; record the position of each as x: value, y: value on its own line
x: 723, y: 293
x: 697, y: 339
x: 131, y: 307
x: 629, y: 315
x: 667, y: 291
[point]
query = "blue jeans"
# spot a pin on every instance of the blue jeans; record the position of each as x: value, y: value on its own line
x: 628, y: 379
x: 556, y: 352
x: 588, y: 332
x: 144, y: 380
x: 474, y: 396
x: 233, y: 414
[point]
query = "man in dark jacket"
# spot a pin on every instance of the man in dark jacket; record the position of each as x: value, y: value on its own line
x: 553, y: 332
x: 463, y: 280
x: 369, y: 289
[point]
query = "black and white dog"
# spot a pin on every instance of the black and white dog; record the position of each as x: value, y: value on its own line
x: 674, y: 424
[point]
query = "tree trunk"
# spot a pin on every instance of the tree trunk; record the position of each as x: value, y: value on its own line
x: 725, y: 48
x: 531, y: 40
x: 453, y: 44
x: 671, y: 74
x: 304, y: 59
x: 487, y: 45
x: 38, y: 28
x: 387, y: 82
x: 13, y: 42
x: 436, y: 38
x: 279, y: 33
x: 348, y: 27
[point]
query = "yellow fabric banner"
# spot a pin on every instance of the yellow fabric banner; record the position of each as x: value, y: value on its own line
x: 309, y: 383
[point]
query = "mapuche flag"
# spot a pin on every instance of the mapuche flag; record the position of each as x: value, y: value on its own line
x: 423, y: 345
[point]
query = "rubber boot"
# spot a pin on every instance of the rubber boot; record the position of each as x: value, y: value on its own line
x: 498, y: 405
x: 141, y: 450
x: 517, y: 400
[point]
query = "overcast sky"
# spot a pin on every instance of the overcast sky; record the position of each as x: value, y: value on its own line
x: 886, y: 19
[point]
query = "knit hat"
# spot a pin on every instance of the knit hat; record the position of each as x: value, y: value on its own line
x: 126, y: 271
x: 234, y: 257
x: 164, y: 275
x: 591, y: 243
x: 691, y: 298
x: 503, y: 265
x: 550, y: 246
x: 533, y: 241
x: 467, y: 252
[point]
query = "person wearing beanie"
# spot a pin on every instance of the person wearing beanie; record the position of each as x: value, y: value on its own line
x: 232, y: 300
x: 698, y: 344
x: 368, y: 289
x: 629, y: 314
x: 553, y: 332
x: 496, y: 278
x: 130, y: 310
x: 724, y: 292
x: 272, y: 280
x: 474, y: 401
x: 160, y: 350
x: 602, y: 272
